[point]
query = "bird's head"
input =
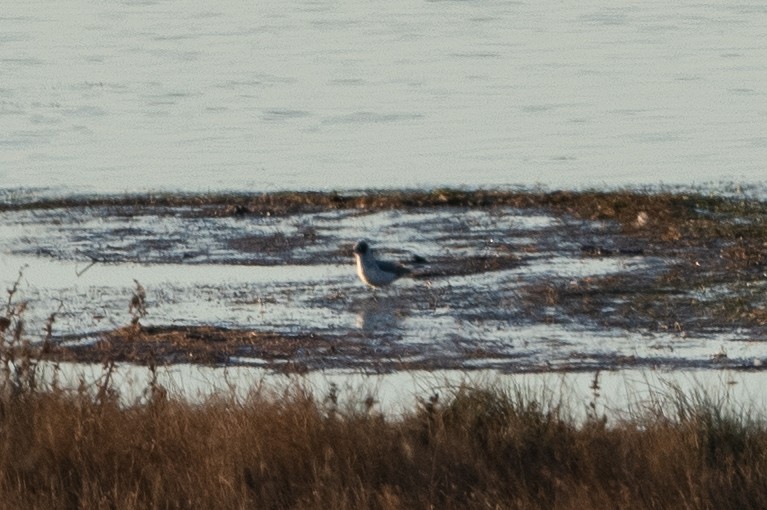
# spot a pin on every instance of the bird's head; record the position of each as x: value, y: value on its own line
x: 361, y: 248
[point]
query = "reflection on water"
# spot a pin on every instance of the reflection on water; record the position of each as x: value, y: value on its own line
x: 378, y: 315
x: 127, y: 96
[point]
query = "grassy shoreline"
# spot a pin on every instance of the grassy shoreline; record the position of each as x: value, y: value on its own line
x: 477, y: 447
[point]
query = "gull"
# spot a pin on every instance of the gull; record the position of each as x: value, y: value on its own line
x: 376, y: 273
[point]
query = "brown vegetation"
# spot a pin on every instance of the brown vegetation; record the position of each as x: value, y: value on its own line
x: 208, y: 345
x: 476, y: 448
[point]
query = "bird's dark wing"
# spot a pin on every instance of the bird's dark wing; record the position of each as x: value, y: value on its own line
x: 393, y: 267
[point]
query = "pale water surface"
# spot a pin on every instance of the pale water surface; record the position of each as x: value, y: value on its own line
x: 615, y: 395
x: 194, y: 96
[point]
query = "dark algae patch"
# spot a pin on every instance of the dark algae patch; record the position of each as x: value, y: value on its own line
x: 223, y: 346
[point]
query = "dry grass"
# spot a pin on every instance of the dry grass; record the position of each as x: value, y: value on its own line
x: 480, y: 448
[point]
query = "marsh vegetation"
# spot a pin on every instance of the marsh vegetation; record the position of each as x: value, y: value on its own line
x: 470, y: 447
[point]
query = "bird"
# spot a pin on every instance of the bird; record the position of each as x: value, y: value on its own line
x: 376, y: 273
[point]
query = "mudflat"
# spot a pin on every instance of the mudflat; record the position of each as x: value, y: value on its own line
x: 512, y: 280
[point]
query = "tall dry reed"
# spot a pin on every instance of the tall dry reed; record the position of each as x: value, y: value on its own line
x: 477, y: 448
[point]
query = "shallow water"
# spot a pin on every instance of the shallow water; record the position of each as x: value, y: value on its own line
x: 625, y: 394
x: 128, y: 96
x: 479, y: 302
